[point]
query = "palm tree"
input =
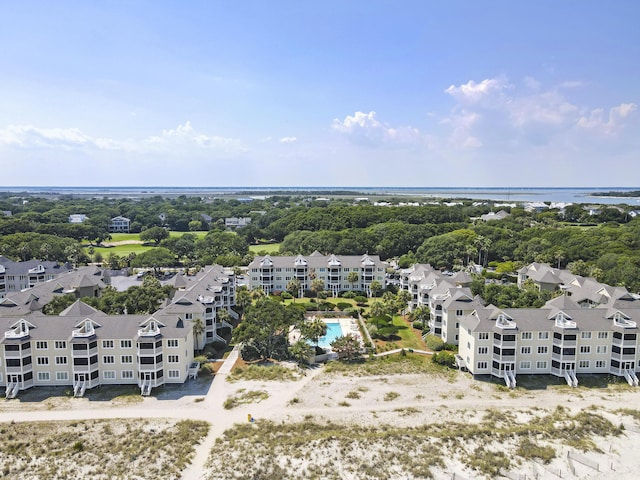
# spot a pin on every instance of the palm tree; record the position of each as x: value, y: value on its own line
x: 198, y: 330
x: 317, y: 285
x: 353, y: 278
x: 293, y: 287
x: 375, y: 288
x: 313, y: 330
x: 301, y: 351
x: 243, y: 298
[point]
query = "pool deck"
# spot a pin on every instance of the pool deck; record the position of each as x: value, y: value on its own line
x: 348, y: 325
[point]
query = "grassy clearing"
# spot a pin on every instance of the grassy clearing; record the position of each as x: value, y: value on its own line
x: 332, y: 451
x: 270, y: 248
x: 409, y: 337
x: 272, y: 372
x: 98, y: 449
x: 122, y: 250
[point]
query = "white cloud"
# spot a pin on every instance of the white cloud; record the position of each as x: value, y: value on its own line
x: 596, y: 119
x: 493, y: 113
x: 185, y: 135
x: 288, y: 140
x: 28, y: 136
x: 543, y: 108
x: 532, y: 83
x: 472, y: 92
x: 367, y: 129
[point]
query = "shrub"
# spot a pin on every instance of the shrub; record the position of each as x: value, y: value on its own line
x: 450, y: 346
x: 342, y: 306
x: 360, y: 299
x: 352, y: 312
x: 348, y: 294
x: 373, y: 331
x: 326, y: 306
x: 205, y: 369
x: 286, y: 296
x: 418, y: 325
x: 434, y: 343
x: 445, y: 358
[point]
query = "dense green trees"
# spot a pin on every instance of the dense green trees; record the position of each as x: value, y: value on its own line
x: 604, y: 243
x: 265, y: 327
x: 145, y: 298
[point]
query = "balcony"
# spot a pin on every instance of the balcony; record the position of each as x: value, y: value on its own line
x: 150, y: 367
x: 503, y: 358
x: 84, y: 353
x: 560, y: 342
x: 504, y: 343
x: 18, y: 353
x: 622, y: 357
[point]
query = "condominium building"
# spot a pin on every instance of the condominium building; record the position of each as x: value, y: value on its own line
x: 448, y: 298
x: 16, y: 276
x: 561, y: 339
x: 273, y: 274
x: 83, y: 347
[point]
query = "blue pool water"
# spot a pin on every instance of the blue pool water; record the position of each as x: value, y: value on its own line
x: 334, y: 330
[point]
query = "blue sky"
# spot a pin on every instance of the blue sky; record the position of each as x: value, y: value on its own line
x: 341, y: 93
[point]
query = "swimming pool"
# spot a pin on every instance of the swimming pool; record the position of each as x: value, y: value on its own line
x: 334, y: 330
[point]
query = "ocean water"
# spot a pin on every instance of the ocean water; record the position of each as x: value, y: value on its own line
x: 506, y: 194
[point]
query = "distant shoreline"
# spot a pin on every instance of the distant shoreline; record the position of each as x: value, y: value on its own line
x: 602, y: 195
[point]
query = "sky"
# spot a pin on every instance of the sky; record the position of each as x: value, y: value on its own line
x: 326, y: 93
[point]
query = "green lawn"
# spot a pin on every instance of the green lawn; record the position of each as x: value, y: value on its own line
x: 122, y: 250
x: 137, y: 248
x: 266, y: 247
x: 409, y: 337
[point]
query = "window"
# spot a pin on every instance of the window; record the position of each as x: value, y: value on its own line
x: 126, y: 359
x: 41, y: 345
x: 602, y: 335
x: 541, y: 365
x: 483, y: 336
x: 107, y: 359
x: 188, y: 316
x: 601, y: 349
x: 125, y: 343
x: 525, y: 350
x: 174, y: 373
x: 583, y: 364
x: 526, y: 335
x: 601, y: 364
x: 62, y: 376
x: 543, y: 335
x: 459, y: 313
x: 482, y: 364
x: 543, y: 350
x: 42, y: 360
x: 60, y: 345
x: 61, y: 360
x: 483, y: 350
x: 109, y: 375
x: 127, y: 374
x: 107, y: 344
x: 585, y: 335
x: 585, y: 349
x: 173, y: 358
x: 44, y: 376
x: 172, y: 343
x: 525, y: 365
